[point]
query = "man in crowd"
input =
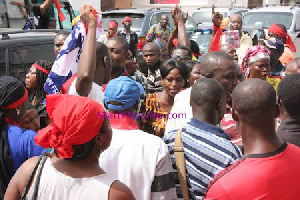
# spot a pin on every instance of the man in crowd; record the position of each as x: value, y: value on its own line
x: 279, y: 31
x: 207, y: 148
x: 276, y: 48
x: 230, y: 50
x: 293, y: 67
x: 217, y: 65
x: 138, y: 159
x: 268, y: 159
x: 152, y: 61
x: 160, y: 33
x: 94, y: 66
x: 118, y: 48
x: 289, y: 105
x: 59, y: 40
x: 130, y: 36
x: 182, y: 53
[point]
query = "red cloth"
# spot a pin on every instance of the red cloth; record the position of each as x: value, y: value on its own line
x: 41, y: 68
x: 75, y: 120
x: 260, y: 176
x: 61, y: 15
x: 65, y: 88
x: 18, y: 102
x: 113, y: 24
x: 280, y: 32
x: 126, y: 19
x: 215, y: 43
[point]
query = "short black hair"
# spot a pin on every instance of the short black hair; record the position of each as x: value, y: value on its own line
x: 255, y: 99
x: 171, y: 64
x: 63, y: 32
x: 188, y: 49
x: 101, y: 52
x: 122, y: 41
x: 289, y: 94
x: 207, y: 91
x: 190, y: 64
x: 195, y: 47
x: 212, y: 61
x: 283, y: 27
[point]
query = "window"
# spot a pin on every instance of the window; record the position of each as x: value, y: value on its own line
x: 297, y: 25
x: 22, y: 57
x: 2, y: 62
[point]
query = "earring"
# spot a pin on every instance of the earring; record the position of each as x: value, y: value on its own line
x: 18, y: 112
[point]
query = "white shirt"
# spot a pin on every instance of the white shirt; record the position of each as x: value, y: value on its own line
x: 181, y: 105
x: 102, y: 38
x: 95, y: 94
x: 141, y: 161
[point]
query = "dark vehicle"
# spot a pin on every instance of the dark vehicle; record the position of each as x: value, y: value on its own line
x: 20, y: 49
x: 142, y: 20
x: 11, y: 17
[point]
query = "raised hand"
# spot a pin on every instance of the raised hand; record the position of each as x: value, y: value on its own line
x: 217, y: 17
x: 86, y: 15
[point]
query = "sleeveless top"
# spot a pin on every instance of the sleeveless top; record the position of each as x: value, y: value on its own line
x: 56, y: 185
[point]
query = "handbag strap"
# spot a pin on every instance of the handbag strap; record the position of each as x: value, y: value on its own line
x: 27, y: 187
x: 180, y: 163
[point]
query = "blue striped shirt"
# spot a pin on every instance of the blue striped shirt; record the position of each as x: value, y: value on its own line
x: 207, y: 150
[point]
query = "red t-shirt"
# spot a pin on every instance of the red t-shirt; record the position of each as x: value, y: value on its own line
x: 271, y: 176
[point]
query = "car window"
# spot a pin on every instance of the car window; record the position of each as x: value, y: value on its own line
x: 155, y: 18
x: 137, y: 20
x: 202, y: 37
x: 2, y: 62
x: 22, y: 57
x: 266, y: 19
x: 204, y: 16
x: 190, y: 24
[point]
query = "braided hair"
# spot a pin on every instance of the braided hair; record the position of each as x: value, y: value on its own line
x: 41, y: 79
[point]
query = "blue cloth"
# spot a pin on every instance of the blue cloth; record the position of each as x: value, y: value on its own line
x: 22, y: 145
x: 207, y: 151
x: 124, y: 90
x: 278, y: 71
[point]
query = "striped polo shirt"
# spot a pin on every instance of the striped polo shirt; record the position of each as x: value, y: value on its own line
x: 207, y: 150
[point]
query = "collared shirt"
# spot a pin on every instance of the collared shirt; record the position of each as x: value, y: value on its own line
x: 160, y: 37
x: 207, y: 151
x: 289, y: 131
x: 139, y: 160
x: 154, y: 79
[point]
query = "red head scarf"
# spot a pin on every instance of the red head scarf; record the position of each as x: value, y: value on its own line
x: 112, y: 23
x: 280, y: 32
x: 75, y: 120
x: 126, y: 19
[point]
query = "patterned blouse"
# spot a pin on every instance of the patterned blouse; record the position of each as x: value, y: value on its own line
x: 154, y: 116
x: 160, y: 37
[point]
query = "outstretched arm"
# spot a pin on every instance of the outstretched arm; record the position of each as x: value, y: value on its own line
x: 217, y: 31
x: 180, y: 20
x: 87, y: 62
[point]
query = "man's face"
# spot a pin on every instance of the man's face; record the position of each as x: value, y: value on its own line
x: 117, y: 53
x: 232, y: 52
x: 150, y: 56
x: 111, y: 31
x: 127, y: 24
x: 164, y: 20
x: 292, y: 68
x: 58, y: 43
x: 181, y: 54
x: 226, y: 75
x: 130, y: 64
x: 236, y: 23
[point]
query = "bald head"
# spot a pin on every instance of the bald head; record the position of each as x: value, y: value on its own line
x: 254, y: 99
x: 213, y: 61
x: 293, y: 67
x: 230, y: 50
x: 151, y: 46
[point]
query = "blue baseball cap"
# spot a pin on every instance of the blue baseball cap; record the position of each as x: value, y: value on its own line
x: 274, y: 43
x: 124, y: 90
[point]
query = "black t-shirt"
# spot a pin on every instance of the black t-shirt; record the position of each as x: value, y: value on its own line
x: 132, y: 42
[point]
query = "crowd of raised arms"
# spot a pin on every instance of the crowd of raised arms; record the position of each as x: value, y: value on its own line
x: 95, y: 124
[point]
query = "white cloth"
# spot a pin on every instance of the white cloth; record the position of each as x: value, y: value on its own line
x: 95, y: 94
x: 102, y: 38
x: 181, y: 105
x: 141, y: 161
x: 56, y: 185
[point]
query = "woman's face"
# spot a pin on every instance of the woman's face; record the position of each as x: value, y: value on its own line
x: 111, y: 31
x: 195, y: 74
x: 31, y: 120
x: 30, y: 80
x: 260, y: 69
x: 173, y: 83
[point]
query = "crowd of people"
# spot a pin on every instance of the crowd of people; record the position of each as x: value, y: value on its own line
x: 238, y: 136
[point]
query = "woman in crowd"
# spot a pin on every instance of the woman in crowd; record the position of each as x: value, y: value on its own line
x: 256, y: 63
x: 78, y: 136
x: 194, y: 69
x: 16, y: 143
x: 112, y: 28
x: 157, y: 106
